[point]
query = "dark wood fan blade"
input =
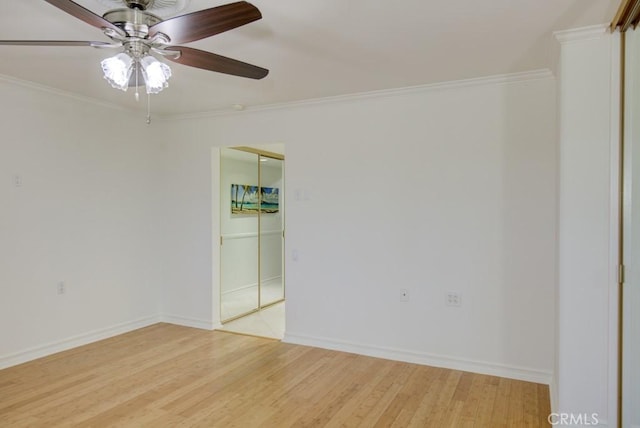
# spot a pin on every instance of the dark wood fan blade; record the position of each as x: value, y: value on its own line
x: 198, y: 25
x: 212, y: 62
x: 83, y: 14
x: 53, y: 43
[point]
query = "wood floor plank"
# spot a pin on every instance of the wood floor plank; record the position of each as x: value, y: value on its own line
x: 443, y: 409
x: 172, y: 376
x: 334, y: 399
x: 471, y: 402
x: 411, y: 396
x: 429, y: 399
x: 530, y: 405
x: 249, y: 391
x: 500, y: 412
x: 370, y: 373
x: 516, y: 405
x: 544, y: 405
x: 486, y: 404
x: 382, y: 392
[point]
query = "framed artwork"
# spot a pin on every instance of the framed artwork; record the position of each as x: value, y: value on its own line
x: 248, y: 199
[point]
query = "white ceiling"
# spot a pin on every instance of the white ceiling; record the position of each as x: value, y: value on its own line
x: 313, y: 48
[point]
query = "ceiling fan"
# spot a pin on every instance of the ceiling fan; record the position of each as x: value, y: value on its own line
x: 141, y: 34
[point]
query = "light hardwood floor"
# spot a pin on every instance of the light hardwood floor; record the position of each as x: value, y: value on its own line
x: 170, y: 376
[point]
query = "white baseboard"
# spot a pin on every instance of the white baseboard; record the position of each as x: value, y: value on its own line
x: 189, y: 322
x: 454, y: 363
x: 74, y: 341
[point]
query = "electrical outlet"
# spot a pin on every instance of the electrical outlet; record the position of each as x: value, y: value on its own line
x: 453, y: 298
x: 404, y: 295
x: 62, y: 287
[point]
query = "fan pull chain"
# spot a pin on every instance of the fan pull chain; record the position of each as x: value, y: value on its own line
x: 148, y: 108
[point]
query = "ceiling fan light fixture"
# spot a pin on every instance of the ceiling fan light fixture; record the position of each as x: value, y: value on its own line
x: 117, y: 70
x: 155, y: 73
x: 139, y: 32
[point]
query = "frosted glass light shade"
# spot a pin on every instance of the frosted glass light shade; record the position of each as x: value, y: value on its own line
x: 117, y: 70
x: 155, y: 73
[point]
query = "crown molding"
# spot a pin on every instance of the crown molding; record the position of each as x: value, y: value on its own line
x: 464, y: 83
x: 67, y: 94
x: 454, y: 84
x: 581, y: 34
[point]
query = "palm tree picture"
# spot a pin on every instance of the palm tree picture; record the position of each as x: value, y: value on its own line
x: 247, y: 199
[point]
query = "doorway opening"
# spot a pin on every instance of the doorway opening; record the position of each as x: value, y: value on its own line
x: 252, y: 280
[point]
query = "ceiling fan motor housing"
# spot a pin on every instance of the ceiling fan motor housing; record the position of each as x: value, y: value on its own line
x: 135, y: 23
x: 163, y: 8
x: 121, y: 16
x: 139, y: 4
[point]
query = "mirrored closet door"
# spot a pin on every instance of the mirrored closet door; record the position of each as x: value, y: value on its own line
x: 271, y: 231
x: 252, y: 231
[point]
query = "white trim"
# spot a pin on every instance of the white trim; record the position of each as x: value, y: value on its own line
x: 454, y: 363
x: 582, y: 33
x: 553, y: 395
x: 553, y: 385
x: 216, y: 232
x: 63, y: 93
x: 189, y: 322
x: 464, y: 83
x: 614, y: 227
x: 74, y: 341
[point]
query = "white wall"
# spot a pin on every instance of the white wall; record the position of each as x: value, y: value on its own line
x: 587, y: 282
x: 87, y: 213
x: 190, y: 264
x: 451, y: 187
